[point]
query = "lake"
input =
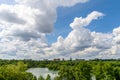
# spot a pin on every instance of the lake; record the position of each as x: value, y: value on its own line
x: 45, y: 71
x: 42, y: 72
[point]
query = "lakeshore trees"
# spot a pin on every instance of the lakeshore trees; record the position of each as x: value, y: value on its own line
x: 67, y: 70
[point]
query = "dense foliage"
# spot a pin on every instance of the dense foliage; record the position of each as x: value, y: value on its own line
x: 67, y: 70
x: 15, y: 72
x: 87, y: 70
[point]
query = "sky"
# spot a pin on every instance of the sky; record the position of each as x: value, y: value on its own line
x: 48, y: 29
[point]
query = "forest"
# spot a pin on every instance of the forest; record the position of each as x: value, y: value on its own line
x: 67, y: 69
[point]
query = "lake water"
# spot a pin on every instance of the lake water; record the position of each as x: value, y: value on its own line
x: 42, y: 72
x: 45, y: 71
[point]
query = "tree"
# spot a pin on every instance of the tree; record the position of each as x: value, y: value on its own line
x: 2, y: 77
x: 41, y: 78
x: 117, y: 73
x: 15, y: 72
x: 48, y: 77
x: 66, y: 73
x: 82, y: 71
x: 21, y: 66
x: 57, y: 78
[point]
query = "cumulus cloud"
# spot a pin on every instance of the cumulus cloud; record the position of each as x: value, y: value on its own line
x: 28, y: 18
x: 10, y: 17
x: 102, y: 40
x: 82, y: 43
x: 46, y: 22
x: 80, y: 22
x: 52, y: 3
x: 80, y: 40
x: 24, y: 25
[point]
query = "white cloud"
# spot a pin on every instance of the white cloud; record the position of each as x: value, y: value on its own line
x: 80, y: 40
x: 28, y: 19
x: 102, y: 40
x: 82, y: 43
x: 51, y: 3
x: 81, y: 22
x: 23, y: 29
x: 46, y: 22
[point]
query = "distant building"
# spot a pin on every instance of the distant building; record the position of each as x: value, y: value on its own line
x: 70, y: 59
x: 45, y: 59
x: 63, y: 59
x: 57, y: 59
x: 80, y: 59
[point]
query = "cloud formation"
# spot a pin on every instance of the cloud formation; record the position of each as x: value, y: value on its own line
x: 82, y: 22
x: 24, y: 25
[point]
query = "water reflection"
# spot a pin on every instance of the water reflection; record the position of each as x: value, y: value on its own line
x: 42, y: 72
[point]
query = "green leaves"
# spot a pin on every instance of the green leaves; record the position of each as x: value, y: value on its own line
x: 48, y: 77
x: 41, y: 78
x: 85, y: 70
x: 67, y: 70
x: 15, y: 72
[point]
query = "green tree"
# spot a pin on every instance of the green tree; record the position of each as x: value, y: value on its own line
x: 57, y: 78
x: 2, y: 77
x: 66, y: 73
x: 48, y: 77
x: 41, y: 78
x: 15, y: 72
x: 117, y: 73
x: 82, y: 71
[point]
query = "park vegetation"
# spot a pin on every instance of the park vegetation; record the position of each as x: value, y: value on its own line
x: 67, y: 70
x: 15, y: 72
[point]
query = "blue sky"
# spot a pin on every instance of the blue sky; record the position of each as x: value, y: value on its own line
x: 7, y: 1
x: 47, y: 29
x: 66, y: 15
